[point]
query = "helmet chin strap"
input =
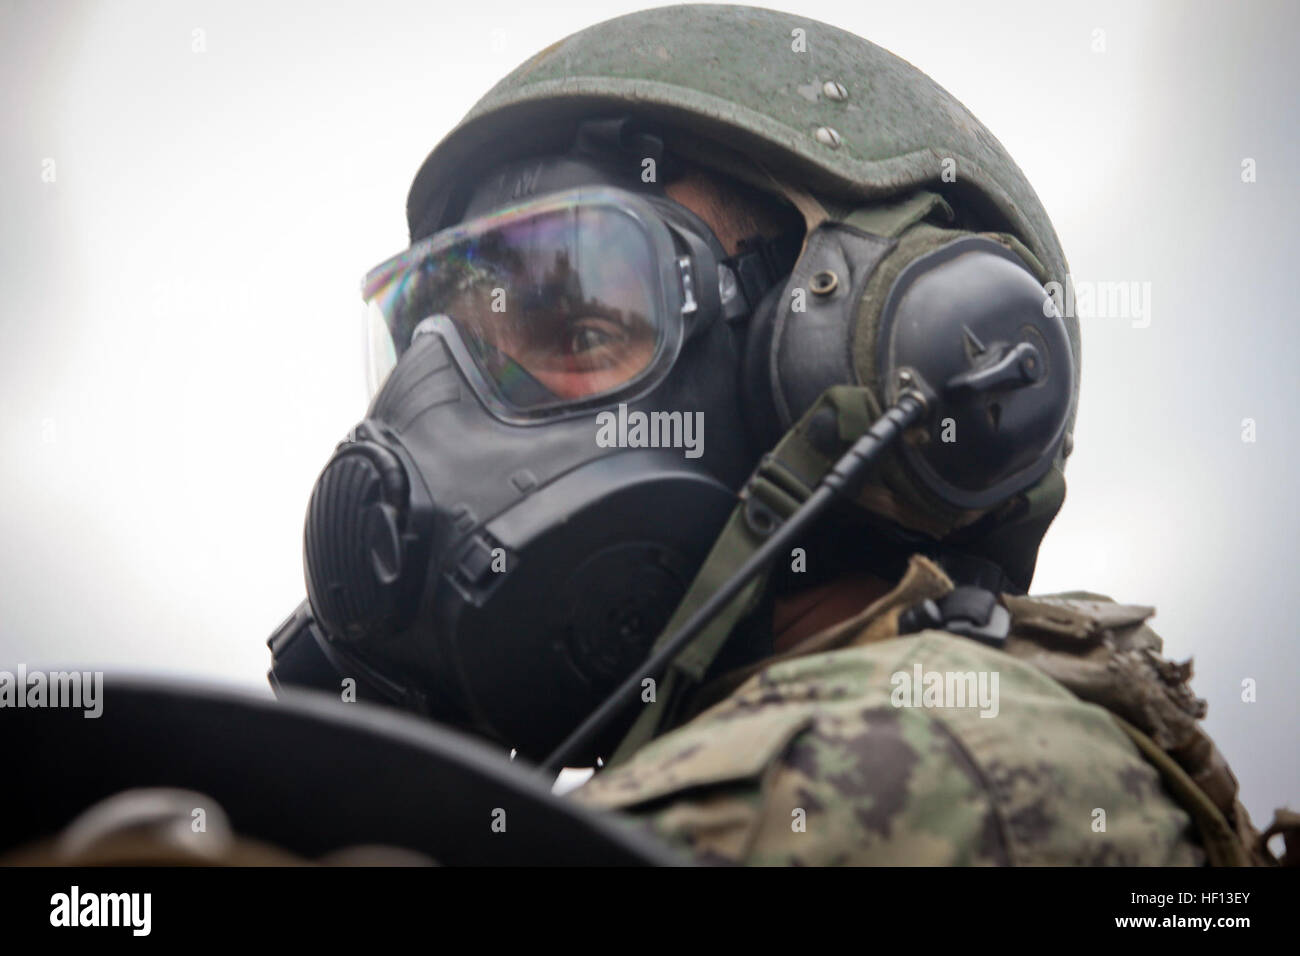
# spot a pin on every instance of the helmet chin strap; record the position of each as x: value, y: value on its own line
x: 753, y: 537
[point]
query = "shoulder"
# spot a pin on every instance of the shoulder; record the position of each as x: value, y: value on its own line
x: 926, y: 749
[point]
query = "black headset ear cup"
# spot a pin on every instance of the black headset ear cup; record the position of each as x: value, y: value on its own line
x: 756, y: 371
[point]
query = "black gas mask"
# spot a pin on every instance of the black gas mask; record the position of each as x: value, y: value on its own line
x: 555, y: 441
x: 574, y: 383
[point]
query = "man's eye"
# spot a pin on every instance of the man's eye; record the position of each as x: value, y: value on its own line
x: 589, y: 336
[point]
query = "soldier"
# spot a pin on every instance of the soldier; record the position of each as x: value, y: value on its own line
x: 772, y: 229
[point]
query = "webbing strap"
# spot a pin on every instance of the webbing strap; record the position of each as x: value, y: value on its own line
x: 781, y: 483
x: 1220, y: 842
x: 1012, y: 543
x: 893, y: 219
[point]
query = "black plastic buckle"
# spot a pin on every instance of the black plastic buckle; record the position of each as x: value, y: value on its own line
x: 772, y: 494
x: 968, y: 611
x: 760, y: 262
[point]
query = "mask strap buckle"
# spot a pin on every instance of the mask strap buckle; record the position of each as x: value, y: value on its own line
x: 759, y: 265
x: 772, y: 494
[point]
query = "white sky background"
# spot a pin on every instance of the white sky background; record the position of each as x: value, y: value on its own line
x: 181, y: 341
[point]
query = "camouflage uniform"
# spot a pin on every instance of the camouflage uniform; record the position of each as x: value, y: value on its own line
x: 809, y: 762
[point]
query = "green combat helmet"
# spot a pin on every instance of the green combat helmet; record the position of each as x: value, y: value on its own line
x: 815, y: 104
x: 844, y: 129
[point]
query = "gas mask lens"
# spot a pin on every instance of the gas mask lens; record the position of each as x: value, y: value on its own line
x: 556, y: 301
x: 381, y: 354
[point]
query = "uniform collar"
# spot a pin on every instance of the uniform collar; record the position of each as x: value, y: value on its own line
x: 923, y: 580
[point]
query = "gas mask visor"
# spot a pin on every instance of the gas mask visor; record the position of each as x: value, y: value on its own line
x: 552, y: 306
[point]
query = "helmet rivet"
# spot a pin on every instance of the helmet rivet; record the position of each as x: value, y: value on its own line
x: 834, y: 91
x: 823, y: 282
x: 828, y: 136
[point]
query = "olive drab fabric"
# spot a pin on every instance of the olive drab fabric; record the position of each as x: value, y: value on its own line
x: 808, y: 758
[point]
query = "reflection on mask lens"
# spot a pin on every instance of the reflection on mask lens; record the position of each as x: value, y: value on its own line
x: 555, y: 305
x: 381, y: 354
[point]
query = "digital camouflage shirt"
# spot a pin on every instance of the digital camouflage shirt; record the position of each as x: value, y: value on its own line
x: 835, y: 752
